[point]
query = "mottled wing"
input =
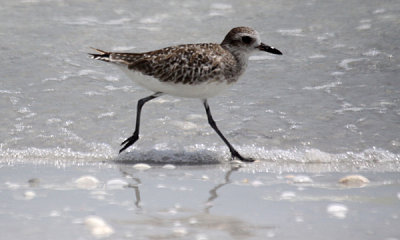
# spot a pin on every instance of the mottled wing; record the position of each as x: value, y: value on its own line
x: 186, y: 64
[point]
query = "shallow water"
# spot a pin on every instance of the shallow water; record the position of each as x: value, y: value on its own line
x: 328, y: 107
x: 193, y: 202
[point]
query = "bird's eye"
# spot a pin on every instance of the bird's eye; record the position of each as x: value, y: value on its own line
x: 247, y: 39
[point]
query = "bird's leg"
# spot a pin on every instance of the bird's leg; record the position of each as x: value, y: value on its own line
x: 212, y: 123
x: 135, y: 136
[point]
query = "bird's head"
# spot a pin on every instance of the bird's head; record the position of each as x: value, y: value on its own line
x: 245, y: 40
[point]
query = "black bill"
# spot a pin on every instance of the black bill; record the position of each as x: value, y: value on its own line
x: 266, y: 48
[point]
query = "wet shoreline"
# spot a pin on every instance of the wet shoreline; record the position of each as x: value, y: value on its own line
x: 226, y: 201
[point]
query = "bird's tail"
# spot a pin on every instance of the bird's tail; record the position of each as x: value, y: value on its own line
x: 102, y: 55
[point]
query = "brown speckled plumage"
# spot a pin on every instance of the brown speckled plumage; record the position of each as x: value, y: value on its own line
x: 192, y: 64
x: 186, y: 64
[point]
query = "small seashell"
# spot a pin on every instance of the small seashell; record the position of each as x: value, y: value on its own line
x: 86, y: 182
x: 354, y: 180
x: 141, y: 166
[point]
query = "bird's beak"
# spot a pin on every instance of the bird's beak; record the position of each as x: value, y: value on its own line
x: 266, y: 48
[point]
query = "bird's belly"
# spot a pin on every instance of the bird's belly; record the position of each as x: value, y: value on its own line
x: 202, y: 90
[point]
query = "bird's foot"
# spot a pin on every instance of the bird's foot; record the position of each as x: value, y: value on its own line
x: 235, y: 154
x: 129, y: 142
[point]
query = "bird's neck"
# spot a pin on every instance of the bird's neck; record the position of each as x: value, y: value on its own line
x: 241, y: 58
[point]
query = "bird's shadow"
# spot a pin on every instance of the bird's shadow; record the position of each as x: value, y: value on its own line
x: 161, y: 157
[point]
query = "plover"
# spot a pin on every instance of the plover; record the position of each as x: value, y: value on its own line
x: 200, y: 70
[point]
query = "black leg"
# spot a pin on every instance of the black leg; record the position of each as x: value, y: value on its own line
x: 233, y: 151
x: 135, y: 136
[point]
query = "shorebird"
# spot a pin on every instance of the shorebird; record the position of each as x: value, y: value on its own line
x: 200, y: 71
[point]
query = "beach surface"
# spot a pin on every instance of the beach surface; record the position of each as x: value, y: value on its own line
x: 206, y: 201
x: 322, y: 121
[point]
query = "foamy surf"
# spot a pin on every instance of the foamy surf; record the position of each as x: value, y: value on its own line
x: 266, y: 159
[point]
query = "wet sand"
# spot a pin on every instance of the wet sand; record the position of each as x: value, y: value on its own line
x: 127, y: 200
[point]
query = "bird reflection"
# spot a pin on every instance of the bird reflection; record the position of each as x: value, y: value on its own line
x: 135, y: 186
x: 213, y: 191
x: 198, y: 220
